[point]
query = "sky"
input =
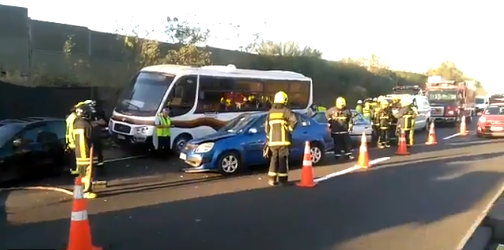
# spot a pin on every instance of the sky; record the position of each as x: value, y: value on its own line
x: 408, y: 35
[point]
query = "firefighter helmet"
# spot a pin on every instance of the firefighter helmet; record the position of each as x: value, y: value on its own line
x: 280, y: 98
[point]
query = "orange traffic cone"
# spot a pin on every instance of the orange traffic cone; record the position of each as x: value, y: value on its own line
x: 431, y: 139
x: 363, y: 160
x: 463, y: 129
x: 80, y: 232
x: 307, y: 170
x: 402, y: 149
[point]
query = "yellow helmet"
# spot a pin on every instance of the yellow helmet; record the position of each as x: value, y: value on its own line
x: 384, y: 102
x: 406, y: 101
x: 340, y: 102
x: 280, y: 98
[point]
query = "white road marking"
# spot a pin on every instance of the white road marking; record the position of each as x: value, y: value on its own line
x: 479, y: 219
x: 40, y: 188
x: 348, y: 170
x: 124, y: 158
x: 468, y: 143
x: 451, y: 136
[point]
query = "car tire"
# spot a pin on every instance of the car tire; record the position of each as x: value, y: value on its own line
x: 229, y: 163
x: 317, y: 153
x: 180, y: 142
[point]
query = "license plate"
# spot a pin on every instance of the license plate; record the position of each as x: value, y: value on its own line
x: 496, y: 128
x: 183, y: 156
x: 140, y: 138
x: 121, y: 137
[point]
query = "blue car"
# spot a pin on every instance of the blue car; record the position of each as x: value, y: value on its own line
x: 239, y: 144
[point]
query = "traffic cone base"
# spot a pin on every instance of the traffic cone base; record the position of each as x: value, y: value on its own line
x: 402, y: 148
x: 463, y: 129
x: 307, y: 170
x: 79, y: 237
x: 363, y: 161
x: 431, y: 139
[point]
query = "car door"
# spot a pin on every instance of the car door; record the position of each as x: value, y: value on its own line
x: 299, y: 136
x: 53, y: 139
x: 255, y: 141
x: 32, y: 146
x: 423, y: 110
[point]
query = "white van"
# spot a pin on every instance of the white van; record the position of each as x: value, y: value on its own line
x: 202, y: 99
x: 423, y: 119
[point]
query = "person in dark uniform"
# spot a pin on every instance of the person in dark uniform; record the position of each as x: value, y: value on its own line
x: 83, y: 139
x: 394, y: 108
x: 340, y: 120
x: 383, y: 122
x: 98, y: 124
x: 405, y: 120
x: 280, y: 122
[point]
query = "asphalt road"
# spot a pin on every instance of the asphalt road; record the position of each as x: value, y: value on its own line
x: 427, y: 200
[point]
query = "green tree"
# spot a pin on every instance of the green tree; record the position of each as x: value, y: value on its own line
x: 448, y: 70
x: 290, y: 49
x: 187, y: 38
x: 138, y: 50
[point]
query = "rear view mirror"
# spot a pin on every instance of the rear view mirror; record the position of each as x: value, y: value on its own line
x: 17, y: 142
x: 252, y: 131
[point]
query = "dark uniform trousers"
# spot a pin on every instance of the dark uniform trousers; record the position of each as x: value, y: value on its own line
x: 278, y: 127
x: 279, y: 164
x: 82, y: 134
x: 98, y: 150
x: 342, y: 142
x: 407, y: 126
x: 383, y: 136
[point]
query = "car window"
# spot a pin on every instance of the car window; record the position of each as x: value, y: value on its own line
x: 33, y: 134
x: 260, y: 123
x: 57, y: 128
x: 359, y: 119
x: 320, y: 117
x: 301, y: 121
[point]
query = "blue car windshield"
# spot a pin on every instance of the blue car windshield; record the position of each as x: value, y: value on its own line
x: 237, y: 125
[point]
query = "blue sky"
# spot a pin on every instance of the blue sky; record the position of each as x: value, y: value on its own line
x: 408, y: 35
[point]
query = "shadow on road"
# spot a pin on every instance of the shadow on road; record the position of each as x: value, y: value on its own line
x: 334, y: 215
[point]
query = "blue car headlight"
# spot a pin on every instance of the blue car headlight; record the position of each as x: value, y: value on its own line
x: 204, y: 148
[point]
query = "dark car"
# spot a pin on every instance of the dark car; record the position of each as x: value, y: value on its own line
x: 31, y: 147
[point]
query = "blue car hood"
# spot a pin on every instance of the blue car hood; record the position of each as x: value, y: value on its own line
x: 213, y: 137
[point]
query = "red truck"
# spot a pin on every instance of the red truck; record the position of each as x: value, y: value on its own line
x: 450, y: 100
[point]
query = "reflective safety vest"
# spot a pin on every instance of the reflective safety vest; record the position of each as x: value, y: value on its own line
x: 409, y: 121
x: 321, y: 109
x: 164, y: 132
x: 278, y: 129
x: 366, y: 112
x: 69, y: 138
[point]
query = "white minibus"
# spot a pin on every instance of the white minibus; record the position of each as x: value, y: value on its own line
x: 201, y: 99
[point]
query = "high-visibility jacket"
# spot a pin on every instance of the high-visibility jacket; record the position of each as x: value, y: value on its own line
x: 405, y: 118
x: 166, y: 121
x: 340, y: 120
x: 280, y: 123
x: 367, y: 112
x: 384, y: 116
x: 358, y: 108
x: 69, y: 130
x: 82, y: 136
x: 321, y: 109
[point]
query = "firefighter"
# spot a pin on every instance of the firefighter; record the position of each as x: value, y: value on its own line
x: 405, y: 120
x: 98, y: 124
x: 82, y: 135
x: 340, y: 120
x: 383, y: 120
x: 374, y: 102
x: 280, y: 123
x: 163, y: 131
x: 394, y: 108
x: 358, y: 108
x: 70, y: 146
x: 367, y: 111
x: 375, y: 120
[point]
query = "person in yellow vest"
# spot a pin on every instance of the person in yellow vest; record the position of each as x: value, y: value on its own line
x: 163, y: 131
x: 321, y: 108
x: 279, y: 124
x: 69, y: 138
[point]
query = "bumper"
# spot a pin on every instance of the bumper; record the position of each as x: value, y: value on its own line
x: 197, y: 162
x: 130, y: 139
x: 445, y: 119
x: 490, y: 132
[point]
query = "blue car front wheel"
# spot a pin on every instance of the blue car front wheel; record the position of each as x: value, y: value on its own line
x: 229, y: 163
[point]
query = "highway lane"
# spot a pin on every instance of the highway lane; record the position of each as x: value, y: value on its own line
x: 401, y: 202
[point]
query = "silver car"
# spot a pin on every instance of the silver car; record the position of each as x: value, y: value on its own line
x: 361, y: 124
